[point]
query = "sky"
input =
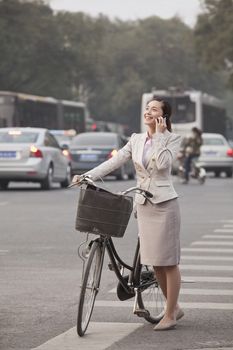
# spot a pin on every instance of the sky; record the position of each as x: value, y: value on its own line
x: 187, y: 10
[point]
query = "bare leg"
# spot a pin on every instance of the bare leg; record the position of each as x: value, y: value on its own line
x: 173, y: 281
x: 173, y: 289
x: 161, y: 278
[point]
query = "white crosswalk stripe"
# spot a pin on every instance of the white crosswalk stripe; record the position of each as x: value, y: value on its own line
x: 224, y: 230
x: 100, y: 336
x: 208, y: 250
x: 227, y: 243
x: 207, y: 267
x: 208, y: 258
x: 3, y: 251
x: 185, y: 305
x: 228, y: 221
x: 218, y: 236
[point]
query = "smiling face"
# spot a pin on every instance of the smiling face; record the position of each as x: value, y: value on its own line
x: 153, y: 111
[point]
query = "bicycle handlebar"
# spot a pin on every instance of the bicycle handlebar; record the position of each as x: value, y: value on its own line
x: 86, y: 179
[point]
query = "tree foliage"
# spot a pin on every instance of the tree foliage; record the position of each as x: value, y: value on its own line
x: 107, y: 63
x: 214, y: 36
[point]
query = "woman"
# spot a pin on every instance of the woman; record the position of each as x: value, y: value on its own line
x: 159, y: 223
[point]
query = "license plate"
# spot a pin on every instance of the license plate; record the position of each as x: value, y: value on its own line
x: 7, y: 154
x: 210, y: 153
x: 88, y: 157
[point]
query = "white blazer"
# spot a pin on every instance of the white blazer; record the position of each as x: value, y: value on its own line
x: 156, y: 177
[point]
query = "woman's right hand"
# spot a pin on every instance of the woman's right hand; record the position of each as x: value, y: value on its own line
x: 76, y: 179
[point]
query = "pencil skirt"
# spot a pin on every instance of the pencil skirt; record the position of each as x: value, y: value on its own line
x: 159, y: 233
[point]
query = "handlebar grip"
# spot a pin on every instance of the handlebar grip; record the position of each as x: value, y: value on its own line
x: 148, y: 194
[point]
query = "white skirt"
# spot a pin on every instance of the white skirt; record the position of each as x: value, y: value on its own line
x: 159, y: 233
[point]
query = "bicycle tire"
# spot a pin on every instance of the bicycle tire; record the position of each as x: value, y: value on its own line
x: 150, y: 296
x: 89, y: 288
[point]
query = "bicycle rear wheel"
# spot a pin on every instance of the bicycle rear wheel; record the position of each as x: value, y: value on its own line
x: 90, y: 287
x: 150, y: 296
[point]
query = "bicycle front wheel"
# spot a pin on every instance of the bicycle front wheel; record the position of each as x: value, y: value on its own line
x: 90, y: 287
x: 150, y: 296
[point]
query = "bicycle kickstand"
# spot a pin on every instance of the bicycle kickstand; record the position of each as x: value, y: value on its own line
x: 136, y: 309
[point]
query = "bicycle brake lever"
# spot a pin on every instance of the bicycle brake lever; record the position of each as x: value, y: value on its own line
x: 148, y: 194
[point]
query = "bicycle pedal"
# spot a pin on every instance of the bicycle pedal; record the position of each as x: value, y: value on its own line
x: 141, y: 312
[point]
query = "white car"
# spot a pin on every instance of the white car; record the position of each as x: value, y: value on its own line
x: 34, y: 155
x: 216, y: 154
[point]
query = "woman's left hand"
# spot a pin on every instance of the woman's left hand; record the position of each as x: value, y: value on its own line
x: 161, y: 125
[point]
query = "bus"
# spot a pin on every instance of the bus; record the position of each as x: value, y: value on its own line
x: 19, y: 109
x: 190, y: 109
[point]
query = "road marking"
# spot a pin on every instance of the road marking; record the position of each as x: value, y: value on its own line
x: 218, y: 236
x: 228, y: 226
x: 224, y: 230
x: 230, y: 221
x: 99, y: 336
x: 214, y: 279
x: 207, y: 267
x: 2, y: 251
x: 3, y: 203
x: 195, y: 279
x: 208, y: 250
x: 199, y: 257
x: 212, y: 243
x: 196, y: 291
x: 191, y: 305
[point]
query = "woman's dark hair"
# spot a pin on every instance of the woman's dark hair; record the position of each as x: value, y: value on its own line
x: 167, y: 110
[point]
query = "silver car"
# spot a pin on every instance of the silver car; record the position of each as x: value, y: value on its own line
x: 34, y: 155
x: 216, y: 154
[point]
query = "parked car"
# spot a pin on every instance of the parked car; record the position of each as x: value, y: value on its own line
x: 92, y: 148
x: 63, y: 137
x: 216, y: 154
x: 34, y: 155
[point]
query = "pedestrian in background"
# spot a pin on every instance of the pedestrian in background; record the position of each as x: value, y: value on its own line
x: 159, y: 222
x: 191, y: 148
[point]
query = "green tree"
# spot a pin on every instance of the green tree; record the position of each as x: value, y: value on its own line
x: 32, y: 53
x: 214, y: 36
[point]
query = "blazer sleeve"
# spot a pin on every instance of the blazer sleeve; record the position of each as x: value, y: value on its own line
x: 166, y: 150
x: 105, y: 168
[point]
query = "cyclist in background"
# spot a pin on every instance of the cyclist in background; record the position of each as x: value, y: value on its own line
x: 191, y: 149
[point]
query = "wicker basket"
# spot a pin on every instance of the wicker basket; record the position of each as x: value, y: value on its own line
x: 102, y: 212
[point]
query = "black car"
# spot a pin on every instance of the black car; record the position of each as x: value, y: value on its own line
x: 93, y: 148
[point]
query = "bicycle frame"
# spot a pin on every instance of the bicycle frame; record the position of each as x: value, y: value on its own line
x: 130, y: 284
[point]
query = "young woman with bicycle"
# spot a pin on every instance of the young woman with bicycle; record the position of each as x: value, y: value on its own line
x: 159, y: 217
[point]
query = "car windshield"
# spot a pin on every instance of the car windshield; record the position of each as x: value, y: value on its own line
x: 18, y: 136
x: 215, y: 141
x: 96, y: 140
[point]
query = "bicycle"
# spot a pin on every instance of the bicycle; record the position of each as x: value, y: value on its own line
x: 140, y: 283
x: 197, y: 171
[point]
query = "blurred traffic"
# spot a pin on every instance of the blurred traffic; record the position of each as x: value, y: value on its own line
x: 32, y: 155
x: 216, y: 155
x: 90, y: 149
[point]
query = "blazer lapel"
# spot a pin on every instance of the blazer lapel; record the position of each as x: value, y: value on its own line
x: 141, y: 147
x: 153, y: 149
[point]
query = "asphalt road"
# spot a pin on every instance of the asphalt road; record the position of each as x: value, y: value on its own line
x: 40, y: 274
